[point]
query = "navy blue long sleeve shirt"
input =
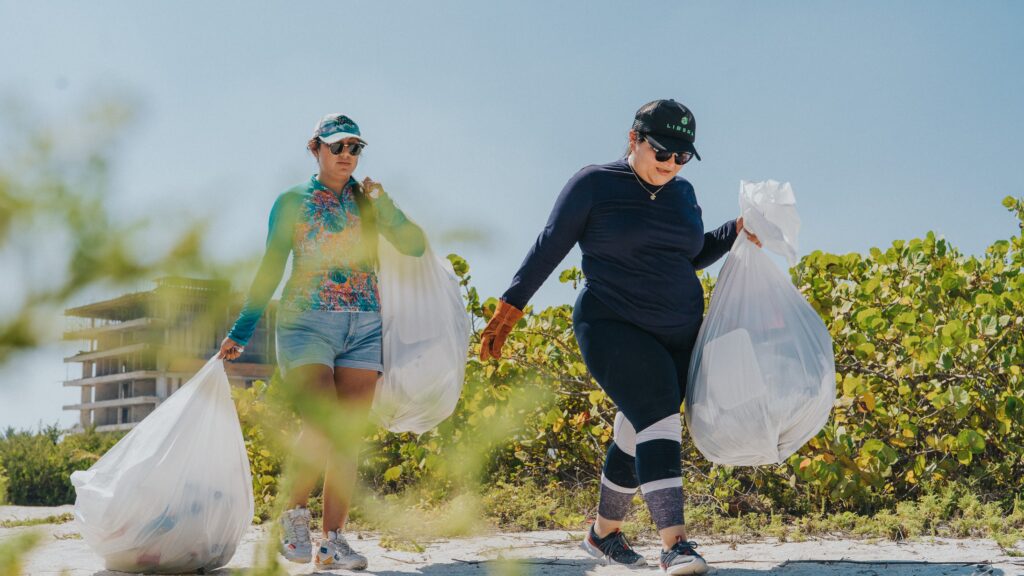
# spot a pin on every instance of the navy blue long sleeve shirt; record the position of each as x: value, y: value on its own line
x: 640, y: 256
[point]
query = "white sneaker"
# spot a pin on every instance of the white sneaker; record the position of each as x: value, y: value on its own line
x: 334, y: 553
x: 295, y: 542
x: 683, y: 559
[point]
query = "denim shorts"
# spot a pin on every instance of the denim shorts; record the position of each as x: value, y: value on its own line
x: 335, y: 339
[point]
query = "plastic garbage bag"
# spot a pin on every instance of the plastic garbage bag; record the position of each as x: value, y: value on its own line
x: 175, y: 494
x: 426, y: 338
x: 762, y: 375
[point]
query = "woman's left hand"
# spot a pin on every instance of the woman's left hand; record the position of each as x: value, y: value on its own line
x: 372, y: 189
x: 753, y: 237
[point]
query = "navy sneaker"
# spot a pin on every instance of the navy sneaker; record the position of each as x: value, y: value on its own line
x: 683, y: 559
x: 612, y: 549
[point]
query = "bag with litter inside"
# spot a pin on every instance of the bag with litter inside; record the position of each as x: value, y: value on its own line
x: 175, y: 494
x: 762, y: 375
x: 425, y: 336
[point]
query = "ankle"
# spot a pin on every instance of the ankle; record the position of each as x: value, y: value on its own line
x: 602, y: 531
x: 667, y: 545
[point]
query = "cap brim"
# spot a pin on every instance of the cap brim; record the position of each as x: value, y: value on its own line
x: 670, y: 144
x: 339, y: 136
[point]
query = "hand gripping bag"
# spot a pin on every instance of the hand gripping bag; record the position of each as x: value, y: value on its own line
x: 175, y: 494
x: 762, y: 375
x: 426, y: 338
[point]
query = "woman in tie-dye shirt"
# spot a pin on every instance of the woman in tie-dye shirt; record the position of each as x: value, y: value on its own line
x: 329, y: 322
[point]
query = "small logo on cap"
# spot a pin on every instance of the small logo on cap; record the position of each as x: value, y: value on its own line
x: 678, y: 128
x: 685, y: 120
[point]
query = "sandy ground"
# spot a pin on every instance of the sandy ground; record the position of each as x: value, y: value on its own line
x: 556, y: 553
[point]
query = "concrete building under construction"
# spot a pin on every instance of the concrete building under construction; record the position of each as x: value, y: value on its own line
x: 143, y: 346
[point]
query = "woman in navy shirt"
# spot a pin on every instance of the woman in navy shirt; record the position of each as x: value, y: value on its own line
x: 640, y: 230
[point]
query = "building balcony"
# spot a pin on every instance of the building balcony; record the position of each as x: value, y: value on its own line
x: 112, y: 328
x: 114, y: 403
x: 126, y: 307
x: 108, y: 353
x: 116, y: 427
x: 125, y: 377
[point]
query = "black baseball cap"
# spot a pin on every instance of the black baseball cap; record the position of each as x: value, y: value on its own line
x: 667, y: 125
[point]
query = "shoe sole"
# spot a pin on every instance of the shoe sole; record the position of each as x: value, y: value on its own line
x: 695, y: 567
x: 606, y: 560
x: 296, y: 560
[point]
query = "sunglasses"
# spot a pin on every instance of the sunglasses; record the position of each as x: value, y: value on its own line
x: 664, y: 155
x: 355, y: 148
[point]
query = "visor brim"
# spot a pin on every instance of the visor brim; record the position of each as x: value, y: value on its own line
x: 339, y: 136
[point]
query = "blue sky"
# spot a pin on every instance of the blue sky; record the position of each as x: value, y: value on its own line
x: 889, y: 119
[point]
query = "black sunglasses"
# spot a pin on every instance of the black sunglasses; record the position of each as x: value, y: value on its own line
x: 664, y: 155
x: 355, y: 148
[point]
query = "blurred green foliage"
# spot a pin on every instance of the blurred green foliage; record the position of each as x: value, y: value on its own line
x: 55, y: 200
x: 59, y: 240
x: 12, y: 552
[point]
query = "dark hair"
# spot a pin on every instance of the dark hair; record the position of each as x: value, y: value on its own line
x: 639, y: 138
x: 367, y: 213
x: 646, y: 108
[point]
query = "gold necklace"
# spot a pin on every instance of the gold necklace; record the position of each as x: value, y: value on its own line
x: 654, y: 195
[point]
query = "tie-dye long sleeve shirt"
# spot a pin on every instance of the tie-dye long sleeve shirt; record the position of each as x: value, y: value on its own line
x: 331, y: 265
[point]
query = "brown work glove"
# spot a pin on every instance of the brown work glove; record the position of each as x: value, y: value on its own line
x: 498, y: 329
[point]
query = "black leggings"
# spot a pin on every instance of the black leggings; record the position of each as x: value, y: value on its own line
x: 644, y: 373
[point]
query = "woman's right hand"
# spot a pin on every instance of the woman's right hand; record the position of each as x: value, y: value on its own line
x: 372, y: 188
x: 498, y: 329
x: 753, y: 237
x: 229, y: 349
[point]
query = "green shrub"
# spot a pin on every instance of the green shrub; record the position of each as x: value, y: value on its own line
x: 39, y: 464
x: 265, y: 430
x: 929, y: 346
x: 528, y: 506
x: 34, y: 467
x: 3, y: 486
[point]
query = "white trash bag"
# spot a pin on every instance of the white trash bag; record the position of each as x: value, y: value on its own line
x: 426, y: 338
x: 762, y: 375
x: 175, y: 494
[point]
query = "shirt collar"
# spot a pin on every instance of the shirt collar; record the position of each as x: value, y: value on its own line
x: 317, y: 185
